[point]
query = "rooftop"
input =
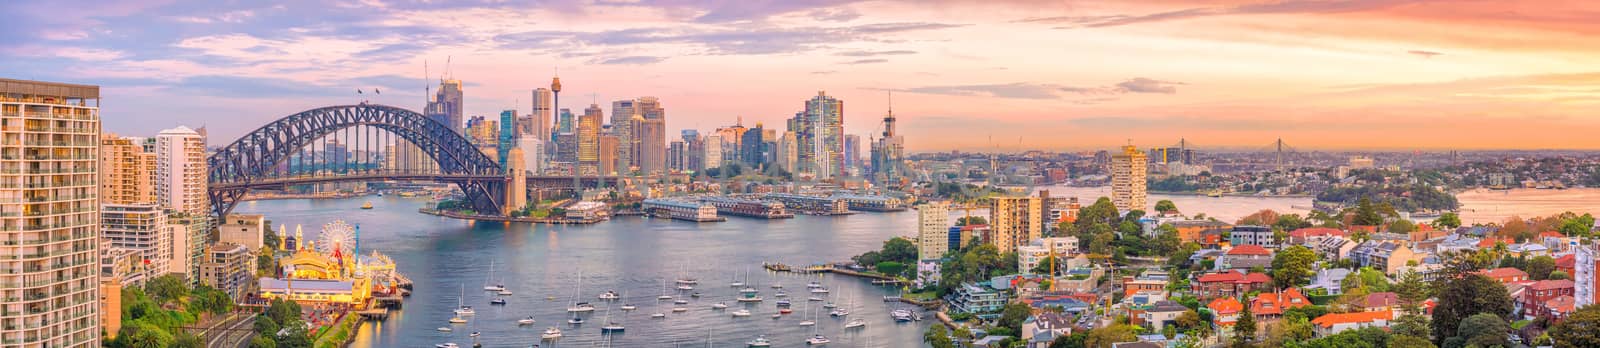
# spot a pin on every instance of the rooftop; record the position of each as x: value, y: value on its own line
x: 1329, y: 320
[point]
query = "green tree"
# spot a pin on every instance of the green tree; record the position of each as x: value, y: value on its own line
x: 265, y: 325
x: 890, y: 267
x: 1447, y: 221
x: 1559, y: 275
x: 1166, y: 206
x: 263, y: 341
x: 1400, y: 341
x: 186, y: 340
x: 1401, y: 226
x: 140, y: 334
x: 1244, y: 330
x: 1462, y: 297
x: 938, y: 337
x: 167, y: 288
x: 900, y: 250
x: 1484, y: 330
x: 1075, y: 340
x: 971, y: 220
x: 1577, y: 226
x: 1290, y: 222
x: 1580, y: 329
x: 1293, y: 267
x: 1106, y: 336
x: 1013, y: 315
x: 1367, y: 213
x: 1539, y: 267
x: 1412, y: 324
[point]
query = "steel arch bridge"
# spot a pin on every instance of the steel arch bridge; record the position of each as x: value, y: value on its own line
x: 254, y: 161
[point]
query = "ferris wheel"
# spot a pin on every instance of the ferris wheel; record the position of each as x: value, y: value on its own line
x: 337, y: 235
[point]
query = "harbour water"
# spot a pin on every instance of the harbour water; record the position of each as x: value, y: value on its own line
x: 631, y: 254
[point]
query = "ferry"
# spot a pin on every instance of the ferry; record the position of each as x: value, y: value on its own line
x: 367, y: 205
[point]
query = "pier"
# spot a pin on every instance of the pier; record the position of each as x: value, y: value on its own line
x: 813, y: 205
x: 747, y: 207
x: 681, y: 210
x: 553, y: 221
x: 874, y: 203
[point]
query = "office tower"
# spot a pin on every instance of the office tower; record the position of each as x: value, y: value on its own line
x: 1015, y: 221
x: 181, y: 170
x: 677, y: 156
x: 650, y: 146
x: 933, y: 230
x: 624, y: 121
x: 731, y: 139
x: 51, y: 286
x: 888, y: 154
x: 539, y: 122
x: 819, y: 131
x: 695, y: 146
x: 566, y: 138
x: 589, y: 139
x: 533, y: 154
x: 509, y: 132
x: 127, y: 172
x: 852, y: 153
x: 517, y: 173
x: 787, y: 151
x: 1128, y: 178
x: 752, y: 148
x: 713, y: 156
x: 446, y: 106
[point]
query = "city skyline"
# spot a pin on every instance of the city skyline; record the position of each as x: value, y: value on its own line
x: 1043, y: 74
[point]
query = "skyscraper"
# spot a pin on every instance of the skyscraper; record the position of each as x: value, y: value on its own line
x: 127, y: 172
x: 650, y: 149
x: 752, y: 148
x: 539, y: 122
x: 852, y: 154
x: 446, y: 106
x: 1015, y: 221
x: 623, y: 125
x: 51, y: 286
x: 509, y: 132
x: 1128, y: 178
x: 819, y: 132
x: 695, y: 146
x: 713, y: 156
x: 888, y: 154
x: 589, y: 139
x: 181, y: 189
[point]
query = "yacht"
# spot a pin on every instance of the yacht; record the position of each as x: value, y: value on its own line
x: 829, y: 305
x: 498, y: 301
x: 367, y: 205
x: 759, y: 342
x: 741, y: 313
x: 901, y: 315
x: 785, y: 310
x: 814, y: 298
x: 465, y: 311
x: 777, y: 286
x: 748, y: 290
x: 504, y: 292
x: 776, y: 316
x: 679, y: 309
x: 664, y: 296
x: 819, y: 290
x: 551, y: 333
x: 783, y: 303
x: 612, y: 328
x: 695, y: 295
x: 855, y: 323
x: 658, y: 316
x: 680, y: 302
x: 575, y: 320
x: 813, y: 285
x: 445, y: 329
x: 446, y: 345
x: 462, y: 309
x: 581, y: 307
x: 807, y: 322
x: 781, y: 294
x: 736, y: 284
x: 489, y: 284
x: 475, y: 334
x: 719, y: 305
x: 525, y: 321
x: 819, y: 339
x: 610, y: 295
x: 839, y: 312
x: 685, y: 287
x: 750, y: 299
x: 629, y: 307
x: 457, y: 320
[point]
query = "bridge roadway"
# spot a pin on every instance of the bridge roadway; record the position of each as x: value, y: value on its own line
x: 534, y: 182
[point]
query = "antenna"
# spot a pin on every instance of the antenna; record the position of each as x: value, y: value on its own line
x: 447, y: 71
x: 427, y: 88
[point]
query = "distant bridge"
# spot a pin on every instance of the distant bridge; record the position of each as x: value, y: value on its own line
x: 286, y: 153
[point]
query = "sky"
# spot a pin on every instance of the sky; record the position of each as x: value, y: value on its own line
x: 971, y: 75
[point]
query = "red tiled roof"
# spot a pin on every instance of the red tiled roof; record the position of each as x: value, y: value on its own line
x: 1490, y: 242
x: 1504, y: 272
x: 1248, y: 249
x: 1548, y: 234
x: 1551, y: 285
x: 1275, y: 303
x: 1227, y: 276
x: 1562, y: 304
x: 1225, y: 305
x: 1329, y: 320
x: 1381, y: 299
x: 1257, y: 278
x: 1567, y: 261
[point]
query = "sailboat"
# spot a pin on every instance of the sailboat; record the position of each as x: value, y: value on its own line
x: 627, y: 306
x: 816, y: 337
x: 551, y: 333
x: 610, y: 327
x: 843, y: 311
x: 738, y: 283
x: 462, y: 309
x: 760, y: 341
x: 807, y: 322
x: 489, y: 284
x: 579, y: 307
x: 684, y: 279
x: 664, y: 296
x: 525, y: 321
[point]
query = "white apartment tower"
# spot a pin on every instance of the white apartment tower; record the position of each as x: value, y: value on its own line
x: 933, y: 230
x: 181, y: 171
x: 49, y: 261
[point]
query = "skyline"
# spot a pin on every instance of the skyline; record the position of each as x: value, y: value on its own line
x: 1050, y: 75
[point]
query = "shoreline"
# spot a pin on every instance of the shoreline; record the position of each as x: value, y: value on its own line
x: 492, y: 218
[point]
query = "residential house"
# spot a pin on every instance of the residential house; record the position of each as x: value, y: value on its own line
x: 1332, y: 248
x: 974, y: 298
x: 1161, y: 314
x: 1329, y: 279
x: 1271, y: 305
x: 1036, y: 252
x: 1380, y: 301
x: 1385, y: 256
x: 1148, y: 281
x: 1333, y: 323
x: 1040, y: 329
x: 1228, y: 284
x: 1528, y: 250
x: 1225, y: 313
x: 1505, y: 275
x: 1537, y: 296
x: 1194, y: 230
x: 1252, y: 235
x: 1558, y: 308
x: 1310, y: 234
x: 1246, y: 257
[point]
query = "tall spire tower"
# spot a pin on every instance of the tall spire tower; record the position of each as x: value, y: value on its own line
x: 555, y: 91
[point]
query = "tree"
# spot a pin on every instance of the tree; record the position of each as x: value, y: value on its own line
x: 1290, y: 222
x: 1401, y: 226
x: 1013, y: 315
x: 890, y: 268
x: 1166, y: 206
x: 1244, y: 331
x: 1106, y: 336
x: 1485, y: 330
x: 1188, y: 320
x: 1399, y: 341
x: 938, y: 337
x: 1447, y: 221
x: 1412, y: 324
x: 1540, y: 266
x: 186, y: 340
x: 1580, y: 329
x: 1463, y: 297
x: 1075, y: 340
x: 262, y: 341
x: 971, y: 220
x: 900, y: 250
x: 1366, y: 213
x: 1166, y: 241
x: 1559, y: 275
x: 166, y: 288
x: 1293, y: 267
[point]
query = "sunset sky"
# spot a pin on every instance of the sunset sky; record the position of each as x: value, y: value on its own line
x: 1056, y: 75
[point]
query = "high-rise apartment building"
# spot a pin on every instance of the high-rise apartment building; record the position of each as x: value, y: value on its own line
x: 1014, y: 221
x: 51, y: 269
x: 933, y: 230
x: 181, y: 170
x: 538, y: 122
x: 141, y: 228
x: 127, y: 172
x: 1128, y: 178
x: 787, y: 151
x: 888, y: 154
x: 228, y: 267
x: 713, y: 156
x: 446, y: 106
x: 624, y: 121
x: 753, y: 149
x: 852, y: 154
x: 695, y: 147
x: 677, y: 156
x: 650, y: 134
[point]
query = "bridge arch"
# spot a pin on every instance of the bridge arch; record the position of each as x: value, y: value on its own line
x: 251, y: 161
